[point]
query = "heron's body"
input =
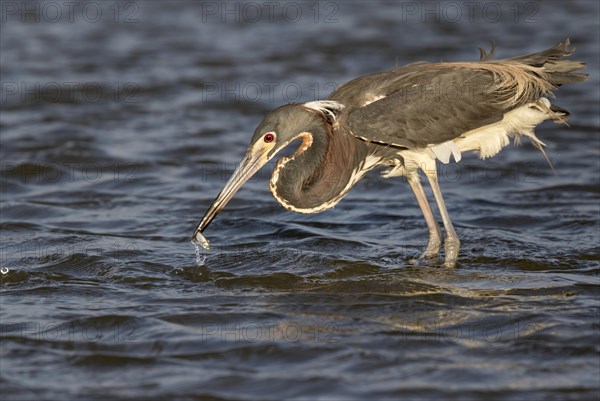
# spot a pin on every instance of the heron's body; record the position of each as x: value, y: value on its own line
x: 404, y: 120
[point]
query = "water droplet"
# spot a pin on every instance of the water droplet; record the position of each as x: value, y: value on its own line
x: 4, y: 270
x: 200, y: 259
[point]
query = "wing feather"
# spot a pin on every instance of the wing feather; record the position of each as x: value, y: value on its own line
x: 433, y: 109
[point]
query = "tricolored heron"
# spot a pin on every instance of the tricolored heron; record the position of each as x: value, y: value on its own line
x: 405, y: 120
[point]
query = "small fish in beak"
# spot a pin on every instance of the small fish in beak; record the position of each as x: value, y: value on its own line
x: 200, y: 240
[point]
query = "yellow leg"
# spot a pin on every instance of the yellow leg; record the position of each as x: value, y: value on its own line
x: 451, y: 243
x: 435, y: 238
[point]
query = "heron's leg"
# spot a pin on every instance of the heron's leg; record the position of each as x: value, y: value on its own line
x: 452, y: 243
x: 435, y: 238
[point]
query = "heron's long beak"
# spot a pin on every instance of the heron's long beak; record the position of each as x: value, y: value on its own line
x: 249, y: 165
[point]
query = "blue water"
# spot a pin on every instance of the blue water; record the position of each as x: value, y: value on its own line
x: 118, y: 129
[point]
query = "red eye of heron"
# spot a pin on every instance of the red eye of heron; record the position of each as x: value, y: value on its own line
x: 269, y: 137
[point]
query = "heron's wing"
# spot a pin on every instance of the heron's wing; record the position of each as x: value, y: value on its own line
x: 429, y: 109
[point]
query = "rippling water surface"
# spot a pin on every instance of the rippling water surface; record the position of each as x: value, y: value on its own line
x: 117, y: 132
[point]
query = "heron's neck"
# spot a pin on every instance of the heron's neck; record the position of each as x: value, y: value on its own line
x: 319, y: 174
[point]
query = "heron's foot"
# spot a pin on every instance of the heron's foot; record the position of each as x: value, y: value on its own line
x: 427, y: 255
x: 430, y: 256
x: 451, y: 248
x: 426, y: 260
x: 433, y: 247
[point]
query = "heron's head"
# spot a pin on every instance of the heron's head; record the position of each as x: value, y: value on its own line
x: 276, y: 131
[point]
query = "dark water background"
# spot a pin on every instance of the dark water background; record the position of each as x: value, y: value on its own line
x: 119, y: 128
